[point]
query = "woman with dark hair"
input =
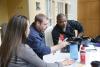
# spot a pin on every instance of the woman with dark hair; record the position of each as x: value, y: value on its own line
x: 14, y: 36
x: 14, y: 52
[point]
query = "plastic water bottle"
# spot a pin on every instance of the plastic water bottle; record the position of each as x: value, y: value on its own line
x: 74, y: 51
x: 82, y: 55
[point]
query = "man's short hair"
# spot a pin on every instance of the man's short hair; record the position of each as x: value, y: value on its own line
x: 40, y: 17
x: 60, y: 16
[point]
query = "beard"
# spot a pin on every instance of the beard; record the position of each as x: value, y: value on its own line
x: 61, y: 27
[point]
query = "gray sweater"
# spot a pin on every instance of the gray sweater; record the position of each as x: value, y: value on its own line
x: 26, y: 57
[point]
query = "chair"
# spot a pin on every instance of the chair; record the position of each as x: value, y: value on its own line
x: 48, y: 36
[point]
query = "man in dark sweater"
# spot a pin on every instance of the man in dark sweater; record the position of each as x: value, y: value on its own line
x: 68, y: 28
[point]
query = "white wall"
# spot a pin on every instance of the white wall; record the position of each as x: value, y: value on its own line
x: 72, y: 10
x: 32, y: 8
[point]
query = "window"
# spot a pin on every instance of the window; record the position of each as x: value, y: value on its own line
x: 37, y: 5
x: 60, y: 7
x: 48, y: 11
x: 66, y: 9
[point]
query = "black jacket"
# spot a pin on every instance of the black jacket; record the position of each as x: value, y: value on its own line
x: 69, y: 32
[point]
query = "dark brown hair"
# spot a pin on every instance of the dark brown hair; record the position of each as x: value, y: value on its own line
x: 15, y: 35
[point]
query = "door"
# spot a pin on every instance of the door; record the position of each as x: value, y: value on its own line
x: 66, y: 9
x: 89, y: 15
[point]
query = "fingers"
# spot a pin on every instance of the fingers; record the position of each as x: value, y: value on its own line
x: 64, y: 43
x: 68, y: 62
x: 65, y: 39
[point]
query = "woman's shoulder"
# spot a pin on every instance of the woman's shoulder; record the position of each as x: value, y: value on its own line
x: 25, y: 47
x: 25, y: 50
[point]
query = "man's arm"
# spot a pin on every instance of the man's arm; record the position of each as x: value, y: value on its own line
x: 38, y: 45
x: 78, y: 28
x: 59, y: 46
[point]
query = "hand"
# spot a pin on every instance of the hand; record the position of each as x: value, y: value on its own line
x: 67, y: 62
x: 64, y: 43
